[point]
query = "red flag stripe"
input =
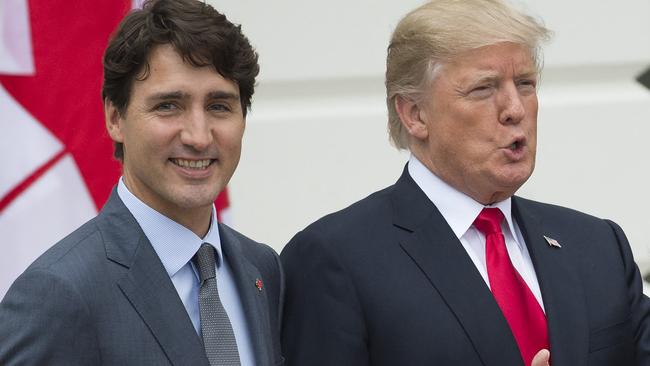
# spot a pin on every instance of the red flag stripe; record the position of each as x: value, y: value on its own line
x: 27, y: 182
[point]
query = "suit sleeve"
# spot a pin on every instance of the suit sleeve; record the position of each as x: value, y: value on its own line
x: 281, y: 289
x: 639, y: 303
x: 44, y: 321
x: 277, y: 299
x: 323, y: 318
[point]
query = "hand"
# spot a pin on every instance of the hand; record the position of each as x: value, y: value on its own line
x: 542, y: 358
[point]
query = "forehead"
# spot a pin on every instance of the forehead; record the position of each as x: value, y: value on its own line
x: 501, y: 59
x: 168, y: 71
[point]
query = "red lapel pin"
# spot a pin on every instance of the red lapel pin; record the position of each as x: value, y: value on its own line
x: 259, y: 284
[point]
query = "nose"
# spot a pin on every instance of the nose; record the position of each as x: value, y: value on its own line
x: 511, y: 105
x: 196, y: 132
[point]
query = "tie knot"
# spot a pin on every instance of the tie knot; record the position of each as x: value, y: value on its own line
x: 205, y: 262
x: 489, y: 221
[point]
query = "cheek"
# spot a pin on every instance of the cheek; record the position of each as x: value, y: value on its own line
x: 149, y: 145
x: 533, y: 105
x: 160, y: 132
x: 532, y: 108
x: 532, y: 134
x: 230, y: 136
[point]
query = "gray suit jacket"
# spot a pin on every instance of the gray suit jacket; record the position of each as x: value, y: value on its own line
x: 101, y: 296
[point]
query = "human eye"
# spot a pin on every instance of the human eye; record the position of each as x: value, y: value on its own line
x: 165, y: 107
x: 481, y: 91
x: 527, y: 85
x: 219, y: 107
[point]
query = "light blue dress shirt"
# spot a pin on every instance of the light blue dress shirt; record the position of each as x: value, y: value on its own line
x: 176, y: 245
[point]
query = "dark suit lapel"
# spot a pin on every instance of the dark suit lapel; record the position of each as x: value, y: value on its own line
x: 254, y: 301
x: 434, y: 248
x: 560, y: 287
x: 148, y: 287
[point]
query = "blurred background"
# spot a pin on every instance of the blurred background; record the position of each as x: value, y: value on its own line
x: 316, y: 138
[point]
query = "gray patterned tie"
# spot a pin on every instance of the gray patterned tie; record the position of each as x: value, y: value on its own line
x: 218, y: 338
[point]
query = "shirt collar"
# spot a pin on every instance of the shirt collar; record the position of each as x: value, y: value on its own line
x: 174, y: 243
x: 458, y: 209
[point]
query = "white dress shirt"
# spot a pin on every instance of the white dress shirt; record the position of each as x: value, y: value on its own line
x: 176, y: 245
x: 460, y: 211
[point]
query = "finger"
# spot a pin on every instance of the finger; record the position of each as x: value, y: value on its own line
x: 542, y: 358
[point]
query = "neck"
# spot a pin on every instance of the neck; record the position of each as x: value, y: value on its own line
x: 197, y: 220
x: 471, y: 189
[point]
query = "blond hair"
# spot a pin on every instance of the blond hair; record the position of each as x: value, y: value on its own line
x: 440, y: 30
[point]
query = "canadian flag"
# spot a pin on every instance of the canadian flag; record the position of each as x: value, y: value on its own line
x: 56, y: 158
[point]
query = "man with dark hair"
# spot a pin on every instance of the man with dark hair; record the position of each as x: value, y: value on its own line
x: 154, y: 279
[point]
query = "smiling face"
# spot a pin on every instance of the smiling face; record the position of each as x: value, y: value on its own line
x: 477, y: 126
x: 182, y: 133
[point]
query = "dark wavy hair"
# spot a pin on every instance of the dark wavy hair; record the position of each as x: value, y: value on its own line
x: 199, y: 33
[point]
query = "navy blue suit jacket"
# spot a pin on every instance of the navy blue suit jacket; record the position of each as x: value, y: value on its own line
x: 386, y: 282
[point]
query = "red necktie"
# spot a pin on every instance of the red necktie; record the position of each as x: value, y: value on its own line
x: 518, y: 304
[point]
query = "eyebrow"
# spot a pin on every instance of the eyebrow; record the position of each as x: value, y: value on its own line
x: 166, y: 96
x: 223, y: 95
x: 487, y: 77
x: 528, y: 74
x: 491, y: 77
x: 177, y: 94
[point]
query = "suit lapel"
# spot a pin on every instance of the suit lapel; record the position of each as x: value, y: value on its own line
x: 254, y: 301
x: 434, y: 248
x: 147, y: 286
x: 561, y: 290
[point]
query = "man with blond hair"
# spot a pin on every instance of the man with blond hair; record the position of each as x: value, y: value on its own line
x: 447, y: 266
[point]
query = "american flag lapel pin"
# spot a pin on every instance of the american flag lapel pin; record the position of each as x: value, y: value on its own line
x: 552, y: 242
x: 259, y: 284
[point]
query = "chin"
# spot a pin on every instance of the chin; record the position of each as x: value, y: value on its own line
x: 511, y: 187
x: 511, y: 182
x: 195, y: 198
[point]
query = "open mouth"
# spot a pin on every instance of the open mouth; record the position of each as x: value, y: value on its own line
x: 193, y: 164
x: 517, y: 145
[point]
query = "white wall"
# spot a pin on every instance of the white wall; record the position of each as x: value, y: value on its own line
x: 316, y: 140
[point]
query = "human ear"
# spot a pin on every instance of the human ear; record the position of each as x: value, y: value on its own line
x: 412, y: 117
x: 113, y: 121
